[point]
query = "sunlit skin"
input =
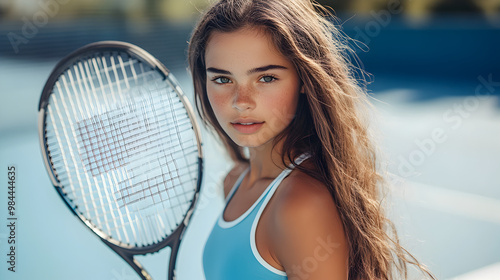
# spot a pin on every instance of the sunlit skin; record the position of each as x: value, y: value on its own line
x: 254, y: 90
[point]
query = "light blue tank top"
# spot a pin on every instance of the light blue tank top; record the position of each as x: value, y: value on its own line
x: 230, y: 251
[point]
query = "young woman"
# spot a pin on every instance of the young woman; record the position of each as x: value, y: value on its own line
x: 273, y: 78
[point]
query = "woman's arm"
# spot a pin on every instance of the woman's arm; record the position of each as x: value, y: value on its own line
x: 308, y: 236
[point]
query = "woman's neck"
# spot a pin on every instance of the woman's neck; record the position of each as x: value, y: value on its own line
x: 265, y: 163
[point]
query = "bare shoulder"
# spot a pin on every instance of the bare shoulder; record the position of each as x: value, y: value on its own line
x: 233, y: 175
x: 307, y: 223
x: 302, y: 198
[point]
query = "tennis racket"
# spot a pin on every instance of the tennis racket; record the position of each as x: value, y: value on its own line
x: 122, y: 148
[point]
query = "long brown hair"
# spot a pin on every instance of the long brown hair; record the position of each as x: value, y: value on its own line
x: 330, y: 123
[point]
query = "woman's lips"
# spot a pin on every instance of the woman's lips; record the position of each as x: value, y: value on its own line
x: 247, y: 126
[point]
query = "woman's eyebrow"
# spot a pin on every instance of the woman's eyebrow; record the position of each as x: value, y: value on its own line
x: 251, y: 71
x: 218, y: 71
x: 265, y: 68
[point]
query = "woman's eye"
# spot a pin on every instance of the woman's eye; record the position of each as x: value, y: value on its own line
x: 267, y: 79
x: 222, y: 80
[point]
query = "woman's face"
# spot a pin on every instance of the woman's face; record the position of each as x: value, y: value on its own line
x: 253, y: 89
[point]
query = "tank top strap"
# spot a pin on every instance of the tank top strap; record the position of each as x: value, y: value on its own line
x: 271, y: 189
x: 276, y: 181
x: 270, y: 192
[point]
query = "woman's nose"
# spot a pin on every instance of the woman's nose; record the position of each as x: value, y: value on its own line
x: 244, y: 98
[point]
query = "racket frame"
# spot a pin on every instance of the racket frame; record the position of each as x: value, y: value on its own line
x: 126, y: 251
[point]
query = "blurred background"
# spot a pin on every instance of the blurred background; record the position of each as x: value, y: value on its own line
x: 435, y: 84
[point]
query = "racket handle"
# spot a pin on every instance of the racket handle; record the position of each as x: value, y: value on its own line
x: 173, y: 257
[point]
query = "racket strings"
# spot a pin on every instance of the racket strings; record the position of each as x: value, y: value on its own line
x: 123, y: 147
x: 97, y: 128
x: 91, y: 80
x: 100, y: 135
x: 71, y: 183
x: 131, y: 190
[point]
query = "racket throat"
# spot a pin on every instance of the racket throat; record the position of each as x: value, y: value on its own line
x: 130, y: 260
